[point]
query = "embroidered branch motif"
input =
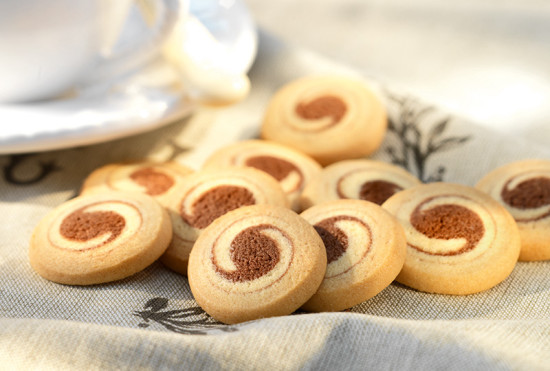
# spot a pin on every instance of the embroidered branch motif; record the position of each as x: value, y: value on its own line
x: 10, y: 170
x: 416, y: 147
x: 191, y: 321
x: 176, y: 150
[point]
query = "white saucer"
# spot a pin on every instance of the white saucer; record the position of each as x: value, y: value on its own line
x: 131, y: 105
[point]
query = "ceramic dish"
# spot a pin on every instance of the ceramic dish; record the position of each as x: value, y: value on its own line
x: 134, y: 104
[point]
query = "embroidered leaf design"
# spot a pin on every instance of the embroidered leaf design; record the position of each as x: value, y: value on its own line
x: 438, y: 175
x: 192, y: 320
x: 156, y: 304
x: 448, y: 143
x: 438, y: 129
x: 177, y: 150
x: 418, y: 138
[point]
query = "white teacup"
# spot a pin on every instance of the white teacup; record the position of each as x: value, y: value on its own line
x: 49, y: 47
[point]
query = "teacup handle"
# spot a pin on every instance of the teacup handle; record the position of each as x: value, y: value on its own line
x: 185, y: 43
x: 201, y: 61
x: 160, y: 17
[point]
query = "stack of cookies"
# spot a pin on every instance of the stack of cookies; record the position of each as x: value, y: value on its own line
x: 299, y: 220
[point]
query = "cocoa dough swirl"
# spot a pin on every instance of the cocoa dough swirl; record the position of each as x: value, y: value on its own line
x: 155, y: 182
x: 329, y: 106
x: 253, y: 253
x: 335, y: 240
x: 530, y: 194
x: 84, y: 226
x: 448, y: 222
x: 276, y: 167
x: 376, y: 191
x: 215, y: 203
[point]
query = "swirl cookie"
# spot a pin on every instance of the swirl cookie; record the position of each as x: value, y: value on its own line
x: 99, y: 238
x: 361, y: 179
x: 523, y: 187
x: 291, y: 168
x: 155, y: 179
x: 459, y: 240
x: 327, y: 118
x: 365, y: 248
x: 207, y: 195
x: 254, y: 262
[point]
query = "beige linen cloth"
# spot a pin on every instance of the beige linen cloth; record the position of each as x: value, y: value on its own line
x: 151, y: 321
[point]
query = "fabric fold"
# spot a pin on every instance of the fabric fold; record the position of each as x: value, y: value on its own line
x: 150, y: 320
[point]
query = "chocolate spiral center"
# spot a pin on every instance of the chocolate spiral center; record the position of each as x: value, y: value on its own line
x: 324, y: 106
x: 378, y: 191
x: 215, y: 203
x: 278, y: 168
x: 155, y: 182
x: 449, y: 222
x: 253, y: 253
x: 529, y: 194
x: 335, y: 239
x: 83, y: 226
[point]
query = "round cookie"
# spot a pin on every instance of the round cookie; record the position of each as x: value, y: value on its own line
x: 366, y: 249
x: 459, y: 240
x: 99, y: 238
x: 255, y: 262
x: 291, y: 168
x: 523, y: 187
x: 155, y: 179
x: 361, y: 179
x: 330, y: 118
x: 207, y: 195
